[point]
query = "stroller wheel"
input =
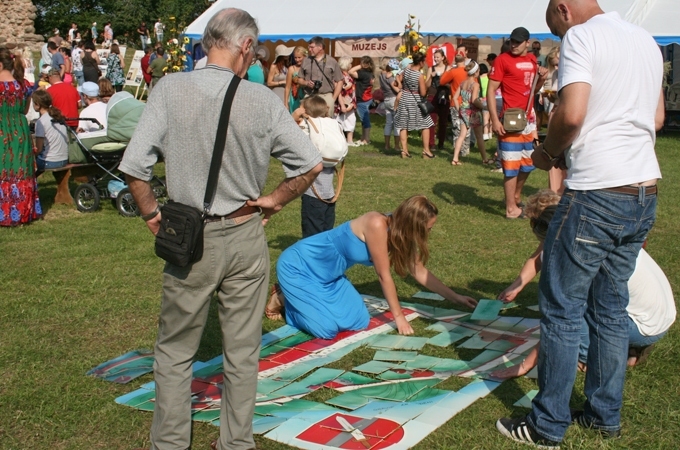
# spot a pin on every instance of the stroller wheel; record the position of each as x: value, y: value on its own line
x: 86, y: 198
x: 126, y: 204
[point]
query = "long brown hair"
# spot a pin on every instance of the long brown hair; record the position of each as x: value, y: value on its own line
x: 13, y: 64
x: 408, y: 232
x: 43, y: 99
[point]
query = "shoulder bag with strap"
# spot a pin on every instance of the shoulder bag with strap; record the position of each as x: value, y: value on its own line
x: 515, y: 119
x: 179, y: 240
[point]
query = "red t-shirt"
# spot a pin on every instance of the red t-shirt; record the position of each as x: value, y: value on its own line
x: 145, y: 65
x: 454, y: 77
x: 65, y: 98
x: 516, y: 75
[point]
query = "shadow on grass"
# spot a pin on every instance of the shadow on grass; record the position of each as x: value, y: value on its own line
x: 282, y: 242
x: 461, y: 194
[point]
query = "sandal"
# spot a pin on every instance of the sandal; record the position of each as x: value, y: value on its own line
x: 456, y: 163
x: 428, y: 155
x: 522, y: 215
x: 275, y: 312
x: 488, y: 162
x: 405, y: 155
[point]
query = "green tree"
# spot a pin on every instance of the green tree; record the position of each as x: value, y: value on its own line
x: 125, y: 15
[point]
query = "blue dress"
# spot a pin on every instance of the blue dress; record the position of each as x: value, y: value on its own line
x: 319, y: 298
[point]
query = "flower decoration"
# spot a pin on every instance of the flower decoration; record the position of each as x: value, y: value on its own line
x: 175, y: 49
x: 410, y: 37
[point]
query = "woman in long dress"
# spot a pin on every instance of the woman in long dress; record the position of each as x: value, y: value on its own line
x: 276, y: 79
x: 19, y: 201
x: 316, y: 296
x: 409, y: 117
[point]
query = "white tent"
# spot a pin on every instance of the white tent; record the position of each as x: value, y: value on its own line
x: 282, y: 20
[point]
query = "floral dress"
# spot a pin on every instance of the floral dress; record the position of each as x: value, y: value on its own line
x: 469, y: 113
x: 114, y: 72
x: 19, y: 201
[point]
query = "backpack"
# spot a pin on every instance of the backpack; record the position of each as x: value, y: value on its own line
x: 327, y: 136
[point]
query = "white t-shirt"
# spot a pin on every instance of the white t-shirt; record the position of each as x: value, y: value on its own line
x: 55, y: 145
x: 158, y: 28
x: 623, y: 65
x: 94, y: 111
x: 651, y: 305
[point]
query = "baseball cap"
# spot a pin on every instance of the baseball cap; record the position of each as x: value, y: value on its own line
x: 520, y: 34
x: 393, y: 64
x: 90, y: 89
x: 45, y: 70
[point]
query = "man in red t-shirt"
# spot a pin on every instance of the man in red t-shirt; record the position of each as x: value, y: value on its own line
x: 145, y: 65
x: 454, y: 77
x: 514, y: 73
x: 64, y: 97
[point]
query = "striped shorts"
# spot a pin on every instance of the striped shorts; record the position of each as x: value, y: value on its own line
x: 516, y: 150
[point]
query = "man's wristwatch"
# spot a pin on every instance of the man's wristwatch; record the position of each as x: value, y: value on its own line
x: 151, y: 215
x: 551, y: 158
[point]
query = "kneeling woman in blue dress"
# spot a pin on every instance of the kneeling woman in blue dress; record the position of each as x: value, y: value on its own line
x: 316, y: 296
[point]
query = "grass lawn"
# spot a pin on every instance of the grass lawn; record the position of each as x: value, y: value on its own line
x: 79, y: 289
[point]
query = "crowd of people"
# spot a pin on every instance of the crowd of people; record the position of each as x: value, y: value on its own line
x: 592, y: 226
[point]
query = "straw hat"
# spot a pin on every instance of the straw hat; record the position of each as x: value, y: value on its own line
x: 262, y: 52
x: 282, y: 50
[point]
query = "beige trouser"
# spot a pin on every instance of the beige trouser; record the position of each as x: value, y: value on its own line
x: 235, y: 264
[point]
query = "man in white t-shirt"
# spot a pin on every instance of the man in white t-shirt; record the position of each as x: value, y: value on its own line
x: 96, y: 109
x: 159, y: 29
x: 603, y: 132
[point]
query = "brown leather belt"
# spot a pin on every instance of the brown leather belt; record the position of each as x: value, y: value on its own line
x: 242, y: 211
x: 632, y: 190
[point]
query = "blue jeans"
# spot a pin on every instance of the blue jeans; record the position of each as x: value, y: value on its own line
x: 635, y: 339
x: 143, y: 39
x: 364, y: 116
x: 80, y: 77
x: 590, y: 251
x: 43, y: 165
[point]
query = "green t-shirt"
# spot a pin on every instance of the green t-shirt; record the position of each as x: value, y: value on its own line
x: 157, y: 66
x: 484, y: 82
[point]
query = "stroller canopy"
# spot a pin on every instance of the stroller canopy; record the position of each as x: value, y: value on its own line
x: 122, y: 114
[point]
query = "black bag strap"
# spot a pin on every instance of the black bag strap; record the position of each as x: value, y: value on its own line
x: 220, y: 141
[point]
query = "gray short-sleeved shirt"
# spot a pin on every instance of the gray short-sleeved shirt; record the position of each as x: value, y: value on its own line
x: 55, y: 145
x: 57, y: 60
x: 325, y: 70
x: 179, y: 123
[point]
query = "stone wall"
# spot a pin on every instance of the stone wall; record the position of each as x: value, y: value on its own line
x: 16, y: 25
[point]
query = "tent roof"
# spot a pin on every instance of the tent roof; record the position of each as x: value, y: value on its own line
x: 376, y: 18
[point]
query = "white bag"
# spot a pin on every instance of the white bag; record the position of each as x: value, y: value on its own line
x: 327, y: 136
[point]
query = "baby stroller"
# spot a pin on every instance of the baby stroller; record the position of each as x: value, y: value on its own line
x: 99, y: 153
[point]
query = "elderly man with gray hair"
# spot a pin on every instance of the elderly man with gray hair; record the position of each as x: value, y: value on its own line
x: 180, y: 124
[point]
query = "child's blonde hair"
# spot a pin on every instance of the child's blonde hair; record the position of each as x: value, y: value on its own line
x: 315, y: 106
x: 540, y: 209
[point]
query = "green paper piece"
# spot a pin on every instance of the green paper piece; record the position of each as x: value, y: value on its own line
x: 464, y: 331
x: 146, y: 406
x: 206, y: 415
x: 433, y: 311
x: 267, y: 385
x: 353, y: 379
x: 487, y: 310
x: 445, y: 339
x: 422, y: 362
x: 533, y: 308
x: 509, y: 306
x: 285, y: 344
x: 525, y: 402
x: 441, y: 327
x: 475, y: 342
x: 295, y: 372
x: 484, y: 357
x: 505, y: 323
x: 391, y: 355
x: 349, y: 400
x: 395, y: 341
x: 501, y: 345
x: 209, y: 371
x: 322, y: 376
x: 427, y: 393
x: 285, y: 409
x: 391, y: 375
x: 450, y: 365
x: 142, y: 398
x: 376, y: 367
x: 428, y: 296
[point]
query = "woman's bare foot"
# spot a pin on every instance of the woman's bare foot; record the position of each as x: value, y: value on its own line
x: 274, y: 307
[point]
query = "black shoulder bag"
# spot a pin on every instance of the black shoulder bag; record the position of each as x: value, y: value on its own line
x: 179, y: 240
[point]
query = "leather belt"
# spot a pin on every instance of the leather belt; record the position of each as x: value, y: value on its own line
x: 242, y: 211
x: 632, y: 190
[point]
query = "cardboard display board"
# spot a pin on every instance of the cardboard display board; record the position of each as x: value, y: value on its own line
x: 135, y: 76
